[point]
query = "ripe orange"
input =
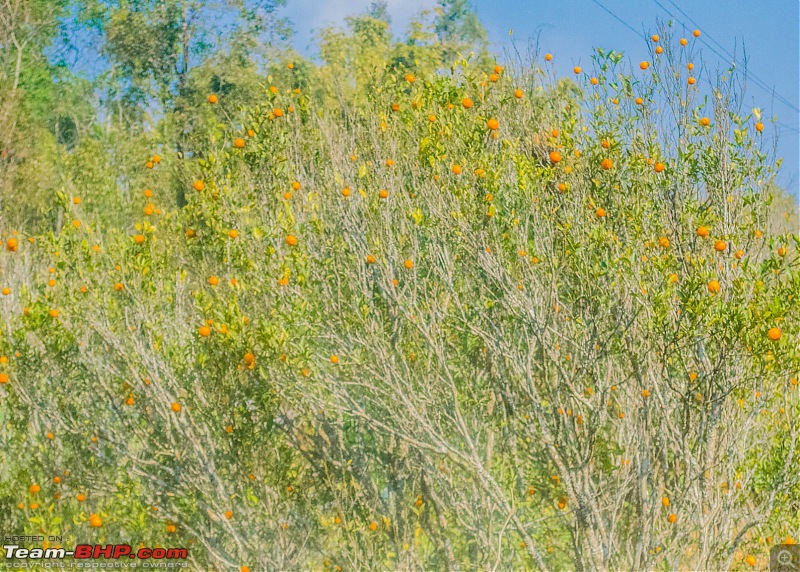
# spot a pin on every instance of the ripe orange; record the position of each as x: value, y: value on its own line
x: 555, y: 157
x: 696, y: 33
x: 645, y: 393
x: 213, y: 280
x: 139, y: 239
x: 759, y: 127
x: 751, y: 560
x: 370, y: 259
x: 410, y: 78
x: 176, y: 407
x: 605, y: 143
x: 702, y: 231
x: 548, y: 57
x: 705, y: 121
x: 714, y: 287
x: 456, y: 169
x: 493, y: 124
x: 53, y: 313
x: 659, y: 50
x: 373, y: 526
x: 213, y: 98
x: 291, y: 240
x: 80, y: 497
x: 720, y: 246
x: 233, y: 233
x: 334, y: 359
x: 606, y: 164
x: 673, y: 518
x: 277, y: 112
x: 11, y: 244
x: 593, y: 81
x: 691, y: 81
x: 644, y: 65
x: 3, y: 378
x: 466, y: 103
x: 739, y: 254
x: 395, y: 107
x: 684, y: 41
x: 238, y: 143
x: 659, y: 167
x: 383, y: 194
x: 774, y: 334
x: 408, y: 264
x: 346, y: 192
x: 601, y: 212
x: 119, y: 287
x: 199, y: 185
x: 95, y: 521
x: 518, y: 93
x: 204, y: 331
x: 577, y: 70
x: 493, y: 77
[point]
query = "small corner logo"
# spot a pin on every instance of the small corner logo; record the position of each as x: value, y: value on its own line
x: 784, y: 558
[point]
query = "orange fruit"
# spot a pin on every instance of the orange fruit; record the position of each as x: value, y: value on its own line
x: 518, y: 93
x: 277, y: 112
x: 466, y: 103
x: 659, y: 50
x: 233, y: 233
x: 238, y: 143
x: 199, y: 185
x: 11, y: 244
x: 659, y: 167
x: 34, y: 488
x: 373, y: 526
x: 228, y: 514
x: 548, y: 57
x: 346, y: 192
x: 119, y: 287
x: 720, y: 245
x: 408, y: 264
x: 383, y: 194
x: 702, y: 231
x: 691, y: 81
x: 714, y: 287
x: 395, y: 107
x: 601, y: 212
x: 555, y: 157
x: 53, y: 313
x: 493, y: 124
x: 644, y: 65
x: 3, y: 378
x: 213, y: 98
x: 739, y: 254
x: 774, y: 334
x: 204, y: 331
x: 80, y: 497
x: 684, y: 41
x: 751, y: 560
x: 577, y: 70
x: 456, y: 169
x: 95, y: 521
x: 673, y: 518
x: 291, y: 240
x: 759, y: 127
x: 334, y: 359
x: 296, y: 185
x: 696, y: 33
x: 606, y: 164
x: 139, y: 239
x: 665, y: 501
x: 705, y: 121
x: 213, y: 280
x: 370, y: 259
x: 410, y: 78
x: 176, y: 407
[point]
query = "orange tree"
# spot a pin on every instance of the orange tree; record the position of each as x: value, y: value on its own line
x: 471, y: 320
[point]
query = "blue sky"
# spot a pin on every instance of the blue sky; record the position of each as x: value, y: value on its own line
x: 570, y: 29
